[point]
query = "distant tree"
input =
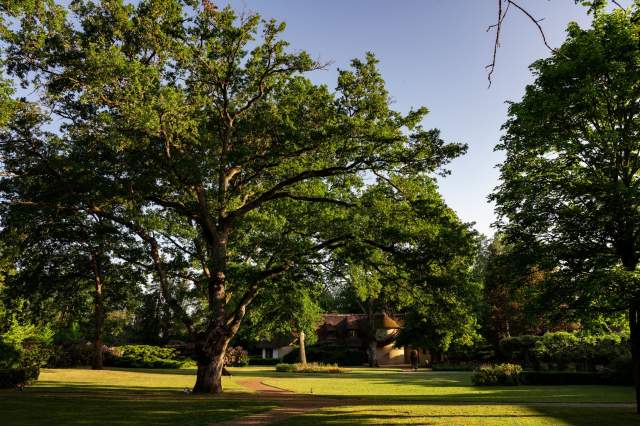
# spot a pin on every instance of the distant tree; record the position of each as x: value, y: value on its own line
x: 570, y: 195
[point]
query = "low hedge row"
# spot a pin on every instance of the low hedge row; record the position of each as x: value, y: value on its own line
x: 312, y: 367
x: 144, y: 356
x: 256, y: 360
x: 16, y: 377
x: 512, y: 375
x: 576, y: 378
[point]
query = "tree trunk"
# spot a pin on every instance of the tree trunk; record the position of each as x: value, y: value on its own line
x: 634, y: 328
x: 372, y: 352
x: 98, y: 314
x: 211, y: 368
x: 303, y: 353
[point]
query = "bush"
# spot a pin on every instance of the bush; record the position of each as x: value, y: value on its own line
x: 17, y: 377
x: 236, y: 357
x: 144, y: 356
x: 72, y: 354
x: 329, y: 353
x: 453, y: 366
x: 576, y: 378
x: 564, y: 351
x: 312, y: 367
x: 256, y: 360
x: 498, y: 375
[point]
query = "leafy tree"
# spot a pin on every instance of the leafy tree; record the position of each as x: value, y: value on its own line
x: 204, y: 141
x: 290, y: 309
x: 569, y: 193
x: 412, y: 249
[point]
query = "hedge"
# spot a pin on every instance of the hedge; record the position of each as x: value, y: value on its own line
x: 577, y: 378
x: 17, y: 377
x: 144, y: 356
x: 329, y: 353
x: 562, y: 350
x: 498, y: 375
x: 256, y: 360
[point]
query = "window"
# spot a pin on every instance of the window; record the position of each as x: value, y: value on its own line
x: 268, y: 353
x: 353, y: 333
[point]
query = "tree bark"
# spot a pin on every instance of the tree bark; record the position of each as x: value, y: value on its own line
x: 372, y: 352
x: 634, y: 328
x: 303, y: 353
x: 98, y: 314
x: 211, y: 368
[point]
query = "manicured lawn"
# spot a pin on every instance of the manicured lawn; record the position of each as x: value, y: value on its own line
x: 381, y: 396
x: 130, y: 380
x: 120, y: 397
x: 389, y: 384
x: 467, y: 415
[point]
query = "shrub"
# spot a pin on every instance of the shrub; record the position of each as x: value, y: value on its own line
x: 312, y: 367
x: 497, y: 375
x: 256, y: 360
x: 143, y: 356
x: 72, y: 354
x: 453, y: 366
x: 15, y: 377
x: 236, y: 357
x: 564, y: 351
x: 329, y: 353
x: 576, y: 378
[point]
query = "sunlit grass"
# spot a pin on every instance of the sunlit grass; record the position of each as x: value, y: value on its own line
x: 467, y: 415
x: 439, y: 386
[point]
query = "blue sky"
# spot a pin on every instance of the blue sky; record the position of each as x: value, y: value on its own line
x: 433, y: 53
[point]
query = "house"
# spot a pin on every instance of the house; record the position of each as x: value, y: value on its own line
x: 350, y: 331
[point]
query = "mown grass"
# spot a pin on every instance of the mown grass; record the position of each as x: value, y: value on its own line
x: 467, y: 415
x: 379, y: 396
x: 120, y: 397
x: 389, y: 384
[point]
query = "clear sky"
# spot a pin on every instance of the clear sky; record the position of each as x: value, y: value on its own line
x: 433, y: 53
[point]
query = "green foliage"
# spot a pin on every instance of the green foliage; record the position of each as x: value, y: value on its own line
x: 453, y: 366
x: 559, y: 350
x: 570, y: 181
x: 18, y: 377
x: 329, y: 353
x: 564, y: 378
x: 498, y: 375
x: 144, y: 356
x: 312, y: 367
x: 258, y: 360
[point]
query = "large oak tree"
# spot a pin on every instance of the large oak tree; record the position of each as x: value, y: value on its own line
x: 207, y: 144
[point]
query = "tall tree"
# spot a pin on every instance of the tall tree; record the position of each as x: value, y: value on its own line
x: 213, y: 149
x: 570, y: 182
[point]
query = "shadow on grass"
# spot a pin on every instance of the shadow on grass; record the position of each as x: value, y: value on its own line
x: 465, y: 415
x: 36, y: 408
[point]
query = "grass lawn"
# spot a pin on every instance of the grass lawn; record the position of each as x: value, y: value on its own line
x: 120, y: 397
x: 381, y: 396
x: 467, y: 415
x: 393, y: 384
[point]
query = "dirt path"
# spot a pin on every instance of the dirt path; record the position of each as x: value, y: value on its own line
x: 290, y: 404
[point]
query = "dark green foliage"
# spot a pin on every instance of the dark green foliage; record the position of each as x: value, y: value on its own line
x: 256, y: 360
x: 16, y: 377
x: 144, y: 356
x: 72, y: 354
x: 330, y: 353
x: 9, y: 355
x: 453, y: 366
x: 561, y: 350
x: 498, y: 375
x: 576, y: 378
